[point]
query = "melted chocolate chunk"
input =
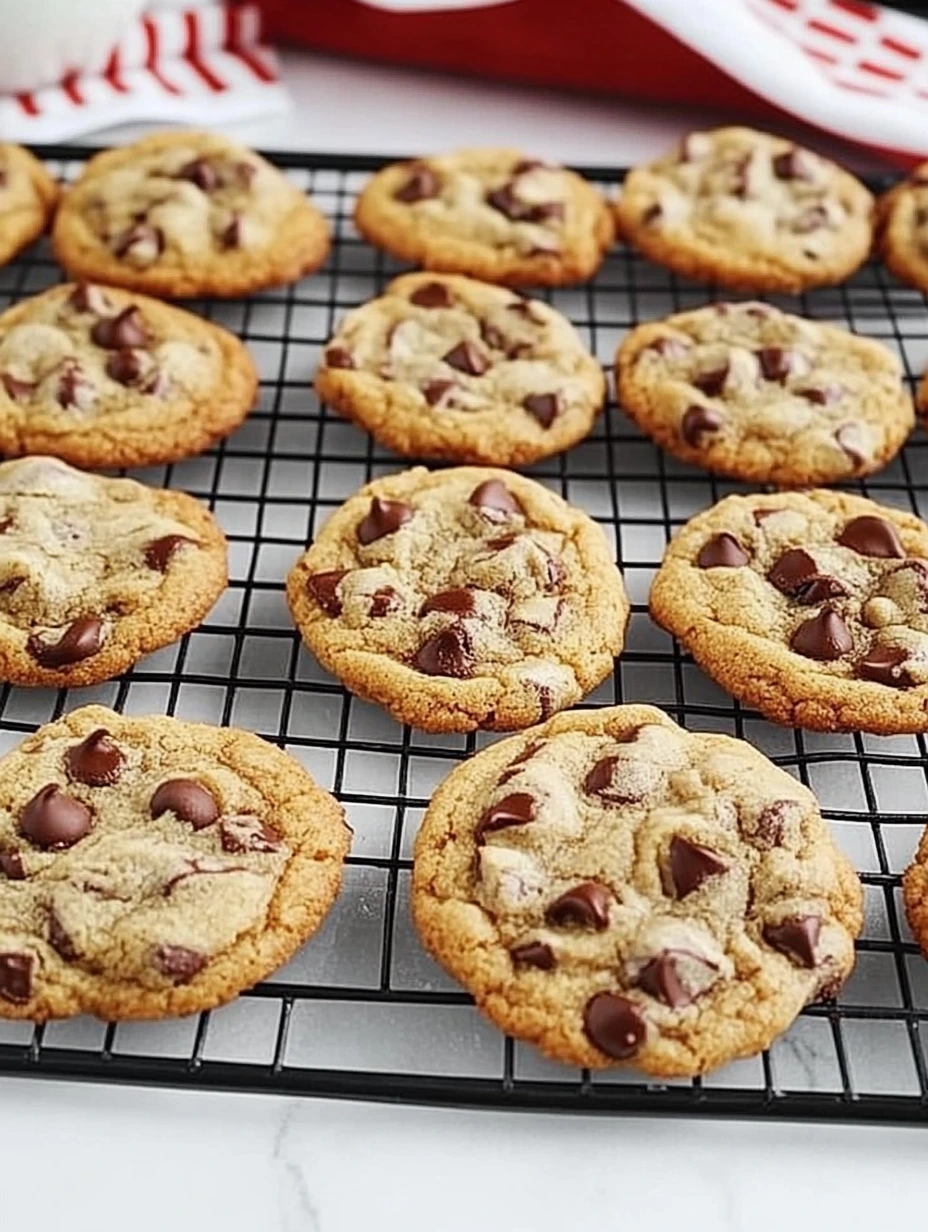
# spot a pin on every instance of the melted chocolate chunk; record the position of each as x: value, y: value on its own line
x: 699, y: 421
x: 460, y: 601
x: 690, y: 864
x: 11, y: 865
x: 160, y: 552
x: 231, y: 236
x: 722, y: 551
x: 586, y: 905
x: 796, y: 938
x: 16, y: 977
x: 494, y: 498
x: 517, y: 809
x: 188, y: 800
x: 324, y: 589
x: 813, y: 218
x: 126, y: 330
x: 384, y: 602
x: 384, y: 517
x: 246, y: 833
x: 432, y: 295
x: 421, y: 185
x: 771, y: 824
x: 339, y: 357
x: 848, y: 438
x: 883, y: 664
x: 794, y: 164
x: 96, y: 761
x: 872, y: 536
x: 821, y: 395
x: 824, y: 637
x: 467, y: 357
x: 614, y: 1025
x: 605, y: 779
x: 448, y: 653
x: 778, y: 363
x: 533, y: 954
x: 178, y: 963
x: 60, y: 940
x: 505, y: 200
x: 796, y: 574
x: 544, y: 407
x: 662, y: 977
x: 133, y: 368
x: 201, y: 172
x: 651, y: 214
x: 141, y: 236
x: 81, y: 639
x: 53, y: 820
x: 711, y: 383
x: 89, y: 298
x: 436, y: 390
x: 669, y: 347
x: 73, y: 386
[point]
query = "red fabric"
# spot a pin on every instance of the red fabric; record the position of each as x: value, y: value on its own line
x: 599, y: 45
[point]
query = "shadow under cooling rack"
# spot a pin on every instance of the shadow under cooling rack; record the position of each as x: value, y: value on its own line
x: 362, y: 1011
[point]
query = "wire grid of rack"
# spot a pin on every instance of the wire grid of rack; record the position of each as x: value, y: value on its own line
x: 362, y: 1011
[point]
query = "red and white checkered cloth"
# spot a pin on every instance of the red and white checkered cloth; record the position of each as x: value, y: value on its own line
x: 203, y: 65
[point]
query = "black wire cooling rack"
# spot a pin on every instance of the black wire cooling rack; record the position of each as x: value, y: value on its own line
x: 362, y: 1011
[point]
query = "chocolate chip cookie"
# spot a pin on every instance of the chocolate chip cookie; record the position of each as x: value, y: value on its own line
x: 150, y: 867
x: 461, y: 599
x: 28, y: 196
x: 95, y: 573
x: 903, y: 228
x: 811, y: 606
x: 447, y: 367
x: 748, y: 210
x: 491, y: 213
x: 753, y: 392
x: 180, y: 214
x: 614, y: 889
x: 101, y: 377
x: 915, y: 894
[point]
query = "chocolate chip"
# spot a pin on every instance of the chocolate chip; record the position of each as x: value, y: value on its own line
x: 324, y: 589
x: 202, y: 173
x: 16, y: 389
x: 883, y: 664
x: 603, y: 781
x: 505, y: 200
x: 848, y: 438
x: 188, y: 800
x: 11, y: 865
x: 146, y: 242
x: 448, y: 653
x: 460, y: 601
x: 467, y: 357
x: 125, y: 330
x: 16, y: 977
x: 711, y: 383
x: 178, y: 963
x: 384, y: 517
x: 651, y: 214
x: 872, y: 536
x: 794, y: 164
x: 241, y: 833
x: 385, y: 601
x: 821, y: 395
x: 96, y: 761
x: 495, y: 500
x: 772, y: 821
x: 796, y: 938
x: 824, y: 637
x: 432, y: 295
x: 524, y: 165
x: 73, y: 387
x: 544, y: 407
x: 534, y: 954
x: 133, y: 368
x: 811, y: 219
x: 160, y: 552
x: 690, y: 864
x: 60, y: 940
x: 662, y: 977
x: 777, y: 363
x: 722, y: 551
x: 699, y: 421
x: 53, y: 820
x: 517, y: 809
x: 435, y: 391
x: 614, y: 1025
x: 796, y: 574
x: 523, y: 308
x: 586, y: 905
x: 339, y: 357
x: 231, y: 236
x: 78, y: 641
x: 422, y: 184
x: 88, y: 298
x: 669, y: 347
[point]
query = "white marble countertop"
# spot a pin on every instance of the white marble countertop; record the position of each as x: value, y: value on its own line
x: 85, y: 1157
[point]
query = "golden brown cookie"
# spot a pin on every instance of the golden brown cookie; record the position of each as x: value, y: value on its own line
x: 28, y: 196
x: 753, y: 392
x: 460, y: 599
x: 903, y: 228
x: 95, y: 573
x: 810, y: 606
x: 447, y: 367
x: 748, y: 210
x: 614, y: 889
x: 150, y: 867
x: 490, y: 213
x: 184, y: 213
x: 108, y: 378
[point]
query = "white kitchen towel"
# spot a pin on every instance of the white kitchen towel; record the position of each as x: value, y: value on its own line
x: 202, y: 65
